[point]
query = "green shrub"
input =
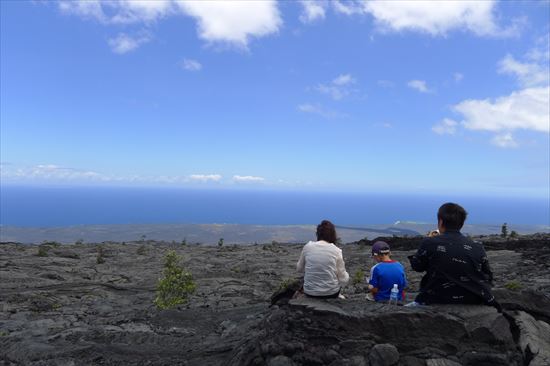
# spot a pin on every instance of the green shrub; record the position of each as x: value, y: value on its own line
x: 513, y: 234
x: 513, y: 285
x: 220, y: 242
x: 358, y: 277
x: 184, y: 242
x: 79, y: 242
x: 285, y: 284
x: 176, y: 285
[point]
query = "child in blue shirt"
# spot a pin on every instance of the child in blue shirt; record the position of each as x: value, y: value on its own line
x: 385, y: 273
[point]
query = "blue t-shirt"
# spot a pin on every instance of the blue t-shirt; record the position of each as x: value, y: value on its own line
x: 384, y: 275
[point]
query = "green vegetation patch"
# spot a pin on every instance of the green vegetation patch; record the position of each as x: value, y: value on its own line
x: 176, y: 285
x: 358, y: 277
x: 513, y: 285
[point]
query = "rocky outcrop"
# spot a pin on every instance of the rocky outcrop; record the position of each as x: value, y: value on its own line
x: 341, y: 332
x: 65, y: 307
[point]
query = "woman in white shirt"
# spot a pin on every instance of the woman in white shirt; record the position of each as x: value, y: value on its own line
x: 322, y: 264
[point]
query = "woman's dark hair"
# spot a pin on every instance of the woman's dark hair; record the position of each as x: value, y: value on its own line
x: 326, y: 232
x: 452, y: 216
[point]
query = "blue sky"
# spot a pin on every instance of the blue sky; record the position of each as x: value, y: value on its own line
x: 365, y: 96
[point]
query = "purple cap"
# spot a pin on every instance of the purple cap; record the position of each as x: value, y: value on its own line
x: 380, y: 247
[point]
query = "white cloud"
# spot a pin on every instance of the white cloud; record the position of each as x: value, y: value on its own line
x: 319, y: 110
x: 313, y: 10
x: 458, y: 77
x: 118, y: 11
x: 124, y: 43
x: 191, y: 65
x: 247, y: 179
x: 50, y: 172
x: 528, y: 73
x: 505, y: 140
x: 419, y: 85
x: 525, y: 109
x: 205, y: 177
x: 437, y: 19
x: 135, y: 11
x: 233, y: 22
x: 91, y: 9
x: 445, y: 127
x: 347, y: 7
x: 339, y: 87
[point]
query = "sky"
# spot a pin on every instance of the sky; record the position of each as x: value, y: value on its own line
x: 355, y: 96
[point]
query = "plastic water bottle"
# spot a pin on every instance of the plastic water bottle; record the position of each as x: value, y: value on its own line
x: 394, y: 294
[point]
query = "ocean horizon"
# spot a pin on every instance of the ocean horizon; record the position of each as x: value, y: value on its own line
x: 67, y: 206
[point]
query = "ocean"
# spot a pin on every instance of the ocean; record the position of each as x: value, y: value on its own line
x: 63, y: 206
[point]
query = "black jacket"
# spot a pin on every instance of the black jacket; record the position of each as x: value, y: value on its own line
x: 457, y: 269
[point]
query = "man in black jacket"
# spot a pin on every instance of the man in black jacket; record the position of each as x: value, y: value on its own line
x: 457, y: 269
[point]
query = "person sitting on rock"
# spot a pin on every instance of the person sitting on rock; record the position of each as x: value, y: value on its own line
x: 457, y: 269
x: 322, y: 264
x: 385, y: 274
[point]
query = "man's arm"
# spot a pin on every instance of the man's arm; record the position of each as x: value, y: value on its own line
x: 419, y: 261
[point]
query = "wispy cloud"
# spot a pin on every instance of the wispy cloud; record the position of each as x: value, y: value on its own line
x: 312, y: 10
x: 529, y: 73
x: 458, y: 77
x: 419, y: 85
x: 247, y: 179
x: 50, y: 172
x: 124, y: 43
x: 445, y: 127
x: 191, y: 65
x: 505, y: 140
x: 339, y: 87
x: 205, y: 177
x: 319, y: 110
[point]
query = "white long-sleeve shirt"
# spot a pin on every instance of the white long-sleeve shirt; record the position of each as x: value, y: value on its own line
x: 323, y: 267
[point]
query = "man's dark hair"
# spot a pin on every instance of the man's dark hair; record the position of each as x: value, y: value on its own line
x: 452, y: 216
x: 326, y: 231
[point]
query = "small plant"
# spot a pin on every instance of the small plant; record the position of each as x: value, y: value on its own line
x: 513, y: 234
x: 100, y: 255
x: 184, y: 242
x: 142, y: 250
x: 176, y: 285
x: 142, y: 238
x: 43, y: 250
x: 513, y: 285
x: 285, y: 284
x: 358, y: 277
x: 504, y: 230
x: 79, y: 242
x: 220, y: 242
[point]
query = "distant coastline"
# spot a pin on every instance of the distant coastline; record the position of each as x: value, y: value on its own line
x: 231, y: 233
